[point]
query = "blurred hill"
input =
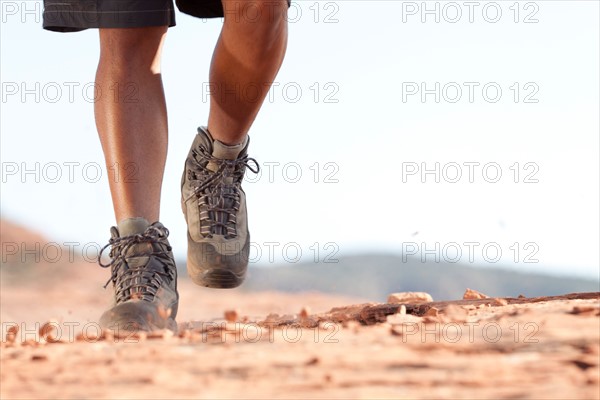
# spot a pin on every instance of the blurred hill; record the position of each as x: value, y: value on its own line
x: 374, y: 276
x: 367, y: 276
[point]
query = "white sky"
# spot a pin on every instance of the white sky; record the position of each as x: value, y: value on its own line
x: 367, y: 58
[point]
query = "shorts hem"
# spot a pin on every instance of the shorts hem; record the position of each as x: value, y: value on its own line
x: 76, y: 21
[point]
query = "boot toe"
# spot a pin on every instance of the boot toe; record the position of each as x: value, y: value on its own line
x: 136, y: 315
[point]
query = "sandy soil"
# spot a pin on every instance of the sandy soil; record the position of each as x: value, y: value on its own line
x: 335, y: 348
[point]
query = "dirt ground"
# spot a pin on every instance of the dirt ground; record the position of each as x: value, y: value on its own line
x: 303, y: 345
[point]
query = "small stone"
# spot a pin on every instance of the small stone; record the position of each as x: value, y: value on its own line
x: 304, y: 313
x: 409, y: 297
x: 39, y: 357
x: 432, y: 312
x: 164, y: 334
x: 47, y: 331
x: 184, y: 334
x: 500, y: 302
x: 584, y: 310
x: 471, y: 294
x: 11, y: 333
x: 231, y: 315
x: 312, y: 361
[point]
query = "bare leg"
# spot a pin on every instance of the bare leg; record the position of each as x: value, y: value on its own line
x: 131, y: 118
x: 247, y: 57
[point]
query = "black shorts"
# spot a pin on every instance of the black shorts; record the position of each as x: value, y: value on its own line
x: 77, y: 15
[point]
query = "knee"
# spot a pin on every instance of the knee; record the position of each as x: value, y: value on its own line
x: 132, y: 47
x: 263, y: 20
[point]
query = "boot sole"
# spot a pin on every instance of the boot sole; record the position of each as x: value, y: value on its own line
x: 216, y: 278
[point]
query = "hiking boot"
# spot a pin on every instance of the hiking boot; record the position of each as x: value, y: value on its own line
x: 144, y: 278
x: 214, y: 206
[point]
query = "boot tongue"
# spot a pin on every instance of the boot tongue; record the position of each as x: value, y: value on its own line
x: 223, y: 151
x: 134, y: 226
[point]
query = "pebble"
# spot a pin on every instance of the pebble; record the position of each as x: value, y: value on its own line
x: 471, y: 294
x: 231, y: 315
x: 409, y: 297
x: 305, y: 312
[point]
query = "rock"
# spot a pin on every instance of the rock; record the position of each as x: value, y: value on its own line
x: 370, y: 315
x: 473, y: 295
x: 409, y: 297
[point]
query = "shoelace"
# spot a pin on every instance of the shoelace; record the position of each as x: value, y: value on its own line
x: 137, y: 282
x: 220, y: 197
